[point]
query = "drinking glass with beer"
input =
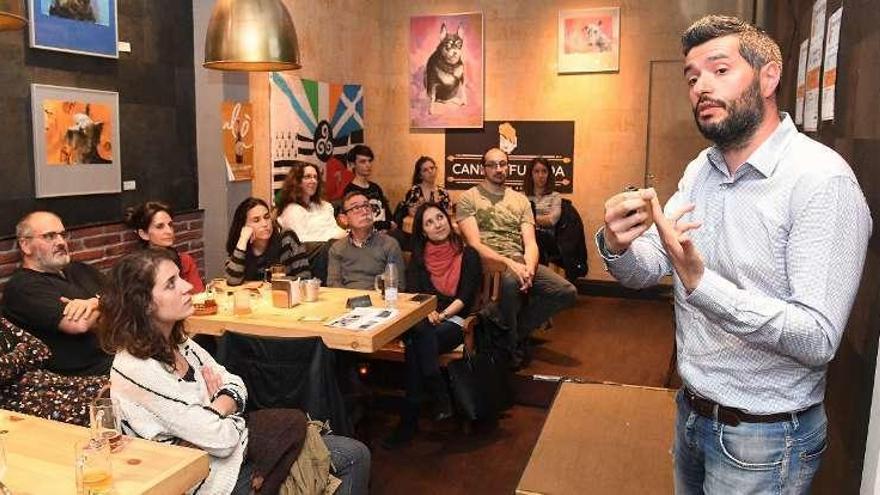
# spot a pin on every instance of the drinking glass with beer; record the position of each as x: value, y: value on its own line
x: 92, y: 465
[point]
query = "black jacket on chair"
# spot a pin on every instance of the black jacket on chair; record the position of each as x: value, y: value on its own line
x: 295, y: 373
x: 571, y: 242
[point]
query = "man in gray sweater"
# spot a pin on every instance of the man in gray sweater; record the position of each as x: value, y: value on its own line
x: 356, y: 259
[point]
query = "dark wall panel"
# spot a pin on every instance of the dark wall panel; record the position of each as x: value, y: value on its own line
x: 855, y: 134
x: 156, y: 110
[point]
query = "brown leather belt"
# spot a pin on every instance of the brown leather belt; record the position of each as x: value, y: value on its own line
x: 730, y: 415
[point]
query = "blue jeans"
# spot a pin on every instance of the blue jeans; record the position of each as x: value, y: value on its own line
x: 351, y: 464
x: 714, y: 458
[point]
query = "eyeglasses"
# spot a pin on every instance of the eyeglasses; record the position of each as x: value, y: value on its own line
x: 502, y: 164
x: 360, y: 206
x: 50, y: 236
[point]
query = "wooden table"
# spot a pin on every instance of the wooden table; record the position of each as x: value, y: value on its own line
x: 269, y: 321
x: 40, y: 453
x: 604, y: 438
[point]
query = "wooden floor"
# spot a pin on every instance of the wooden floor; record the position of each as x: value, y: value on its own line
x: 600, y: 339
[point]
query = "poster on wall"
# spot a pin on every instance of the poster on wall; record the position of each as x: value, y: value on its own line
x: 446, y: 71
x: 87, y: 27
x: 588, y: 40
x: 314, y: 122
x: 801, y: 90
x: 522, y: 141
x: 238, y: 140
x: 814, y: 67
x: 76, y: 141
x: 829, y: 76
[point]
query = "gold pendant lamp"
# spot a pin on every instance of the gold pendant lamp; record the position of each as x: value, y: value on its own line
x: 11, y: 15
x: 251, y: 35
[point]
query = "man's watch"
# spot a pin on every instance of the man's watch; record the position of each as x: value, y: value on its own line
x: 603, y: 248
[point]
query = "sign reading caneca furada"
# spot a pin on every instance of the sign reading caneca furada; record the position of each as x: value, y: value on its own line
x: 521, y: 140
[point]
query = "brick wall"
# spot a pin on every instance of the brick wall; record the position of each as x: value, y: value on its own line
x: 102, y: 245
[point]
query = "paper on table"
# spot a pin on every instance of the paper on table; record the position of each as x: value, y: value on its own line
x: 361, y: 319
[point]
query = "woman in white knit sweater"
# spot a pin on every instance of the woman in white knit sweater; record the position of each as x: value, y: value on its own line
x: 168, y: 389
x: 300, y: 208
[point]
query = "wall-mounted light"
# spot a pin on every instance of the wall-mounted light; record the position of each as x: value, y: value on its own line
x: 11, y: 15
x: 251, y: 35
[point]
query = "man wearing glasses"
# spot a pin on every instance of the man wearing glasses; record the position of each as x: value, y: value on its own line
x: 54, y: 298
x: 356, y: 259
x: 499, y: 223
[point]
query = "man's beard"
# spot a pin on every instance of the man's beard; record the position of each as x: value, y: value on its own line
x: 744, y: 115
x: 498, y: 180
x: 54, y: 262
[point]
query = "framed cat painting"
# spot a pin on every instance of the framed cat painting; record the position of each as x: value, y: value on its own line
x: 76, y: 141
x: 446, y: 71
x: 589, y: 40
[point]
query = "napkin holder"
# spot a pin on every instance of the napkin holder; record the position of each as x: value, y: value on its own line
x: 286, y: 293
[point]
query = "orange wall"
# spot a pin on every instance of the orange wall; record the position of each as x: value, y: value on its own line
x: 366, y: 42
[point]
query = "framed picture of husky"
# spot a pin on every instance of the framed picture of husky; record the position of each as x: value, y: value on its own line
x: 86, y: 27
x: 589, y: 40
x: 76, y: 141
x: 446, y: 71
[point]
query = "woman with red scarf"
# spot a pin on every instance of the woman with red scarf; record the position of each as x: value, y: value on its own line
x: 441, y: 265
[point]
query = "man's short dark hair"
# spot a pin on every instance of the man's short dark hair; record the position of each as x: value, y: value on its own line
x: 483, y: 158
x: 349, y: 195
x: 756, y: 46
x: 359, y: 149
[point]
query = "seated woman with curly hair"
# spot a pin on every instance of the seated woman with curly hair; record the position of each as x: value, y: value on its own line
x: 169, y: 389
x: 302, y: 209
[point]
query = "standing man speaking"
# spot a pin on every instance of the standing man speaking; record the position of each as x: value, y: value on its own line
x: 765, y: 239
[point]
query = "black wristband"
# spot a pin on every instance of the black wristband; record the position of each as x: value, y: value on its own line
x: 232, y: 394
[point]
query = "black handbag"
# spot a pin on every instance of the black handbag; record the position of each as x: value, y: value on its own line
x: 479, y: 385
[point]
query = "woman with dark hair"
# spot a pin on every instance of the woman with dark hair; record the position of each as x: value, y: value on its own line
x: 443, y: 265
x: 26, y: 387
x: 301, y: 209
x: 152, y: 223
x: 167, y: 388
x: 424, y: 187
x: 540, y: 187
x: 254, y: 244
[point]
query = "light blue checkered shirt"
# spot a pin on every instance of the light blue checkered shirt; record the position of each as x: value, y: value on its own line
x: 783, y: 241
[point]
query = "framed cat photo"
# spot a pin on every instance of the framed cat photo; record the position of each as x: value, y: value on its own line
x: 85, y: 27
x: 589, y: 40
x: 76, y: 141
x: 446, y: 75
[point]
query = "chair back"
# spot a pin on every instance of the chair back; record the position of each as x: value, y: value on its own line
x: 490, y: 288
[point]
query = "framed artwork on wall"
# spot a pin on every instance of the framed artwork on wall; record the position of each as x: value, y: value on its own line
x: 238, y: 140
x: 446, y: 71
x: 589, y: 40
x: 316, y: 122
x: 76, y: 141
x: 86, y: 27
